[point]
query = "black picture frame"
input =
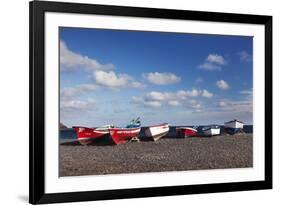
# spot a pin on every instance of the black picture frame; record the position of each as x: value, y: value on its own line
x: 37, y: 194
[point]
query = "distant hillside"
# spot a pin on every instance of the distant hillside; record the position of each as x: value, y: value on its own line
x: 62, y: 126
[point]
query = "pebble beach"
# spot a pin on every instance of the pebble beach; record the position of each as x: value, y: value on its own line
x: 167, y: 154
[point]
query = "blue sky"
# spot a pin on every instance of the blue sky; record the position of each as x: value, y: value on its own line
x: 112, y: 76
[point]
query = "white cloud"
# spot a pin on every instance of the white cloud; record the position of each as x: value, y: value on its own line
x: 193, y: 93
x: 215, y: 58
x: 157, y: 96
x: 171, y: 96
x: 246, y: 92
x: 148, y: 103
x: 115, y: 81
x: 72, y: 61
x: 194, y: 104
x: 157, y: 99
x: 100, y: 72
x: 174, y: 103
x: 244, y: 56
x: 207, y: 94
x: 152, y: 103
x: 209, y: 66
x: 110, y: 79
x: 76, y: 109
x: 223, y: 85
x: 213, y: 62
x: 162, y: 78
x: 77, y: 105
x: 137, y: 84
x: 222, y: 104
x: 69, y: 92
x: 236, y: 106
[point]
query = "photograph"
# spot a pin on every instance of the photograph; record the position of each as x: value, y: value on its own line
x: 133, y: 102
x: 136, y: 101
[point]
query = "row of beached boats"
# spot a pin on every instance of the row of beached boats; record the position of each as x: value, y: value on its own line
x: 120, y: 135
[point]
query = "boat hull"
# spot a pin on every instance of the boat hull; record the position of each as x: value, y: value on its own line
x: 87, y: 136
x: 211, y: 132
x: 186, y: 132
x: 234, y: 124
x: 156, y: 132
x: 233, y: 127
x: 232, y: 131
x: 123, y: 135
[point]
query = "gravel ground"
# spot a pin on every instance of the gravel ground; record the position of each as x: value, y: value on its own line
x: 168, y: 154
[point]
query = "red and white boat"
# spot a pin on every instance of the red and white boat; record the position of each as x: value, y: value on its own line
x: 157, y: 131
x: 123, y: 135
x: 87, y: 135
x: 186, y: 131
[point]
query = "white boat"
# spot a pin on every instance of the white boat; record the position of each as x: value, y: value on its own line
x: 233, y: 126
x: 211, y: 130
x: 157, y: 131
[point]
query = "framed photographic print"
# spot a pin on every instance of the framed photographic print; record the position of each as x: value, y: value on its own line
x: 140, y: 102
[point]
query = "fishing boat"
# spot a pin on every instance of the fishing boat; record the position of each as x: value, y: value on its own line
x: 211, y: 130
x: 157, y: 131
x: 233, y: 126
x: 186, y: 131
x: 86, y: 135
x: 121, y: 135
